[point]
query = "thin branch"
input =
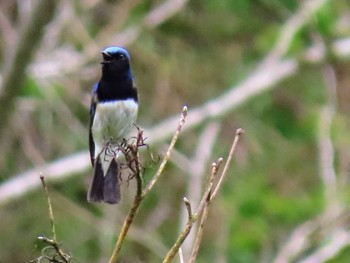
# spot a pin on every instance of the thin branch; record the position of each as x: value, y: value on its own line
x: 199, y: 234
x: 127, y: 223
x: 167, y: 155
x: 53, y: 230
x: 207, y: 194
x: 181, y: 238
x: 239, y: 132
x: 188, y: 207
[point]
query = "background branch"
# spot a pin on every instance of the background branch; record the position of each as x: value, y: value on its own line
x: 14, y: 72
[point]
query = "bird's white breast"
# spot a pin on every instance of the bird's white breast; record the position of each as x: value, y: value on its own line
x: 113, y: 120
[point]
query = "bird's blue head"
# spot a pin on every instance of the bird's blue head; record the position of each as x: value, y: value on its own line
x: 115, y: 52
x: 116, y: 61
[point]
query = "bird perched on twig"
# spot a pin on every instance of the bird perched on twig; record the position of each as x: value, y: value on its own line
x: 113, y: 112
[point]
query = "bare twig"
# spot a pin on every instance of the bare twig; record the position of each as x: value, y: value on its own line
x: 239, y: 132
x: 42, y: 178
x: 127, y: 222
x: 209, y: 188
x: 181, y: 238
x: 189, y: 208
x: 199, y: 234
x: 167, y: 155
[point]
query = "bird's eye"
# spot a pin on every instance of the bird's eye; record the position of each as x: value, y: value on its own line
x: 121, y: 56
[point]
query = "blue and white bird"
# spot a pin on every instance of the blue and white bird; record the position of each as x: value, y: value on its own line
x: 113, y: 111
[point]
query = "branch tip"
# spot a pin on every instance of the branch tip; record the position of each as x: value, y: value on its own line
x: 189, y: 208
x: 184, y: 110
x: 239, y: 131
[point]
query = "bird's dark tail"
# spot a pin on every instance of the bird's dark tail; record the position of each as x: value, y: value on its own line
x: 105, y: 188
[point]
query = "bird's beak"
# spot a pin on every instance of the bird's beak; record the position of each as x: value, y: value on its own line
x: 106, y: 57
x: 104, y: 53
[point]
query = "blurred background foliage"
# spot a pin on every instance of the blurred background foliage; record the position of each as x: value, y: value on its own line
x: 278, y: 180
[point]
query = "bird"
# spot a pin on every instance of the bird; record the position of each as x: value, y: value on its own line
x: 113, y: 112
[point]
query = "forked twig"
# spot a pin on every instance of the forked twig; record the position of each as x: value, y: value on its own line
x: 199, y: 234
x: 203, y: 207
x: 192, y: 218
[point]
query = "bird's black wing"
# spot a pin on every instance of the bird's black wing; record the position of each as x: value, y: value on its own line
x: 92, y: 115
